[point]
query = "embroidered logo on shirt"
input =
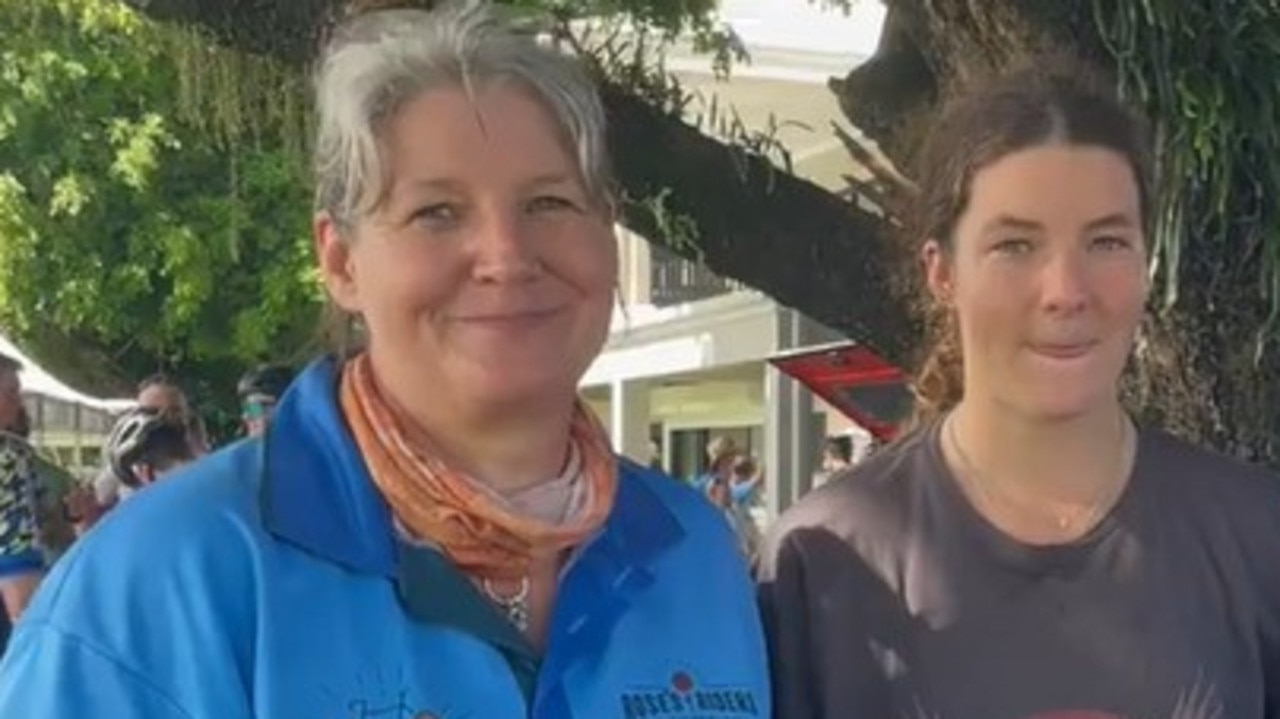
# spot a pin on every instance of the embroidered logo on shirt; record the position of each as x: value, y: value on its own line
x: 682, y: 697
x: 397, y: 707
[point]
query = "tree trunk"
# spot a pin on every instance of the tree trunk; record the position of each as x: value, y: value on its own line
x: 800, y: 244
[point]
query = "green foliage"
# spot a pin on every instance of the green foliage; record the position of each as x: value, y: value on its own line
x: 154, y: 199
x: 1210, y: 75
x: 134, y: 216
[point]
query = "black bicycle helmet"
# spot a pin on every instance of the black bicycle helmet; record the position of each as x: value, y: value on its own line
x: 269, y: 380
x: 131, y: 436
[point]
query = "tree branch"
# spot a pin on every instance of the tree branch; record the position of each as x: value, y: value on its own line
x: 798, y: 243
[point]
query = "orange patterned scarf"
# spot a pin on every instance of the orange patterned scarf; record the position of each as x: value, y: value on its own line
x: 473, y: 527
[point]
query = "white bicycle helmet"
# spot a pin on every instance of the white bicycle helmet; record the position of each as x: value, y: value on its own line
x: 128, y: 440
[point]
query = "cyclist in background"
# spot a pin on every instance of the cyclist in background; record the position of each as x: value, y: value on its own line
x: 144, y: 445
x: 259, y: 391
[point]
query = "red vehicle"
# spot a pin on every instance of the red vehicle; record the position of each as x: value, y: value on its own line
x: 854, y: 380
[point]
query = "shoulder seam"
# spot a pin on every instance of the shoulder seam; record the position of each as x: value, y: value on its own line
x: 133, y: 674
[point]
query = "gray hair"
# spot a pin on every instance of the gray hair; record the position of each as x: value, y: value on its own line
x: 378, y: 61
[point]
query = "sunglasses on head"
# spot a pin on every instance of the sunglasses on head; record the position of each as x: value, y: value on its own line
x: 256, y: 407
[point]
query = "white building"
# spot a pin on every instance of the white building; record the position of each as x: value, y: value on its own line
x: 688, y: 355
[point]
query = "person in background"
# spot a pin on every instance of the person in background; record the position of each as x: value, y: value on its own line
x: 259, y: 391
x: 22, y: 560
x: 161, y: 392
x: 1028, y: 551
x: 144, y: 445
x: 435, y: 523
x: 655, y: 456
x: 718, y: 448
x: 87, y: 502
x: 722, y: 452
x: 837, y: 454
x: 732, y: 491
x: 55, y: 531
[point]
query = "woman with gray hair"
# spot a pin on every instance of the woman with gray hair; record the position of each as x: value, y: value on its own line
x: 433, y: 525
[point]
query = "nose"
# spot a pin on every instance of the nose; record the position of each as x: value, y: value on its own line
x: 505, y: 250
x: 1065, y: 283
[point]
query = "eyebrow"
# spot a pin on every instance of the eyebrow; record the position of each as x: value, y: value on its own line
x: 1115, y: 219
x: 452, y: 185
x: 552, y: 178
x: 1012, y: 223
x: 432, y: 183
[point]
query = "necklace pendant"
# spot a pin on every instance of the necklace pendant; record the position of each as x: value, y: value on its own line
x: 518, y: 614
x: 514, y: 605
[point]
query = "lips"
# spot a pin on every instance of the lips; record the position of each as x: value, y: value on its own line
x: 507, y: 317
x: 1071, y: 350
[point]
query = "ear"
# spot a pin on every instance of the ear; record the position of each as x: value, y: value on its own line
x: 143, y: 472
x: 333, y: 255
x: 938, y: 272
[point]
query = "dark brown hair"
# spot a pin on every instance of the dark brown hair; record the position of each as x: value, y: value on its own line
x: 9, y: 364
x: 1054, y: 102
x: 159, y: 379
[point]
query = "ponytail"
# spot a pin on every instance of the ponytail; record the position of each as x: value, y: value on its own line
x: 939, y: 385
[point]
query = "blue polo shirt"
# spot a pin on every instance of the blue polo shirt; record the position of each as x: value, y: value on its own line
x: 266, y: 581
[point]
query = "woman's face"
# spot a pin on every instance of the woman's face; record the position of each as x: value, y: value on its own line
x: 163, y: 397
x: 486, y: 276
x: 1047, y: 279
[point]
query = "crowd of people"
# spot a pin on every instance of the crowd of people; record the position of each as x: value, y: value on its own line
x: 436, y: 524
x: 44, y: 509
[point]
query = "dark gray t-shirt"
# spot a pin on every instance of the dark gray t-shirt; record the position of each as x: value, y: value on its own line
x: 887, y: 596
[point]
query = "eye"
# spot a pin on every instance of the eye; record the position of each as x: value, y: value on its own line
x: 438, y: 211
x: 437, y: 214
x: 1110, y: 243
x: 551, y: 203
x: 1013, y: 246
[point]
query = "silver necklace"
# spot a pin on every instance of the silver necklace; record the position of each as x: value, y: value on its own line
x: 514, y: 604
x: 1081, y: 517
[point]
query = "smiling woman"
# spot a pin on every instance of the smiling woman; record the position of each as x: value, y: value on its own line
x: 434, y: 506
x: 488, y: 240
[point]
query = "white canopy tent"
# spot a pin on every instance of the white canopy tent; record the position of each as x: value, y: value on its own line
x: 38, y: 381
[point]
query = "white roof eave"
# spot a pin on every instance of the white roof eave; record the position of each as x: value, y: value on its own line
x: 38, y: 381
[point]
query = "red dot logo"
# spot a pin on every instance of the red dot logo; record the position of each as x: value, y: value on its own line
x: 682, y: 682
